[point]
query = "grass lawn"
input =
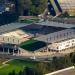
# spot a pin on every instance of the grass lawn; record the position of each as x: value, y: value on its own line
x: 2, y: 60
x: 16, y: 65
x: 27, y: 21
x: 32, y: 45
x: 34, y: 19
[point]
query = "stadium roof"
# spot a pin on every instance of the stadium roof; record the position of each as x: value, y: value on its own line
x: 17, y: 34
x: 56, y: 24
x: 57, y: 36
x: 11, y: 26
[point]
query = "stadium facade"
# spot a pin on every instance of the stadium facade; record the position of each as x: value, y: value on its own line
x: 62, y: 45
x: 60, y: 6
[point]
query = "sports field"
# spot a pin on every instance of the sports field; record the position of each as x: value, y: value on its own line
x: 32, y: 45
x: 16, y: 65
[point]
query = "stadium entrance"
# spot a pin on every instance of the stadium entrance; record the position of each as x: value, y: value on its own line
x: 9, y: 49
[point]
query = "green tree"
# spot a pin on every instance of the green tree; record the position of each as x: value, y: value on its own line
x: 2, y: 1
x: 72, y: 57
x: 38, y: 6
x: 42, y: 68
x: 31, y: 7
x: 61, y: 62
x: 20, y: 73
x: 24, y: 5
x: 12, y: 73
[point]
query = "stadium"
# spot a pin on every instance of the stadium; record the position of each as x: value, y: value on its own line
x: 22, y: 38
x: 32, y: 36
x: 35, y: 41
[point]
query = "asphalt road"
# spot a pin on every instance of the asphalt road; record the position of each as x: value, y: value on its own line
x: 34, y: 58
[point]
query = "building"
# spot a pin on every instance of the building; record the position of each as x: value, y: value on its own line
x: 59, y: 46
x: 14, y: 37
x: 57, y: 24
x: 60, y: 40
x: 12, y: 26
x: 10, y: 41
x: 60, y: 6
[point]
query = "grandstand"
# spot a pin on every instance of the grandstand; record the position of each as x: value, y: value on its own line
x: 56, y: 24
x: 57, y: 36
x: 11, y: 27
x: 14, y: 37
x: 10, y: 41
x: 59, y: 40
x: 70, y: 20
x: 62, y: 45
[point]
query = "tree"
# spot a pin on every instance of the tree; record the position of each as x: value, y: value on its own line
x: 8, y: 17
x: 2, y: 1
x: 20, y: 73
x: 24, y: 6
x: 12, y: 73
x: 42, y: 68
x: 72, y: 57
x: 28, y: 71
x: 38, y: 6
x: 61, y: 62
x: 30, y: 7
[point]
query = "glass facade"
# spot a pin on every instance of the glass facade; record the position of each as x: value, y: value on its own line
x: 64, y: 5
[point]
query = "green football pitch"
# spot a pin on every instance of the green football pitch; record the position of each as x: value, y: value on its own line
x: 16, y: 65
x: 32, y: 45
